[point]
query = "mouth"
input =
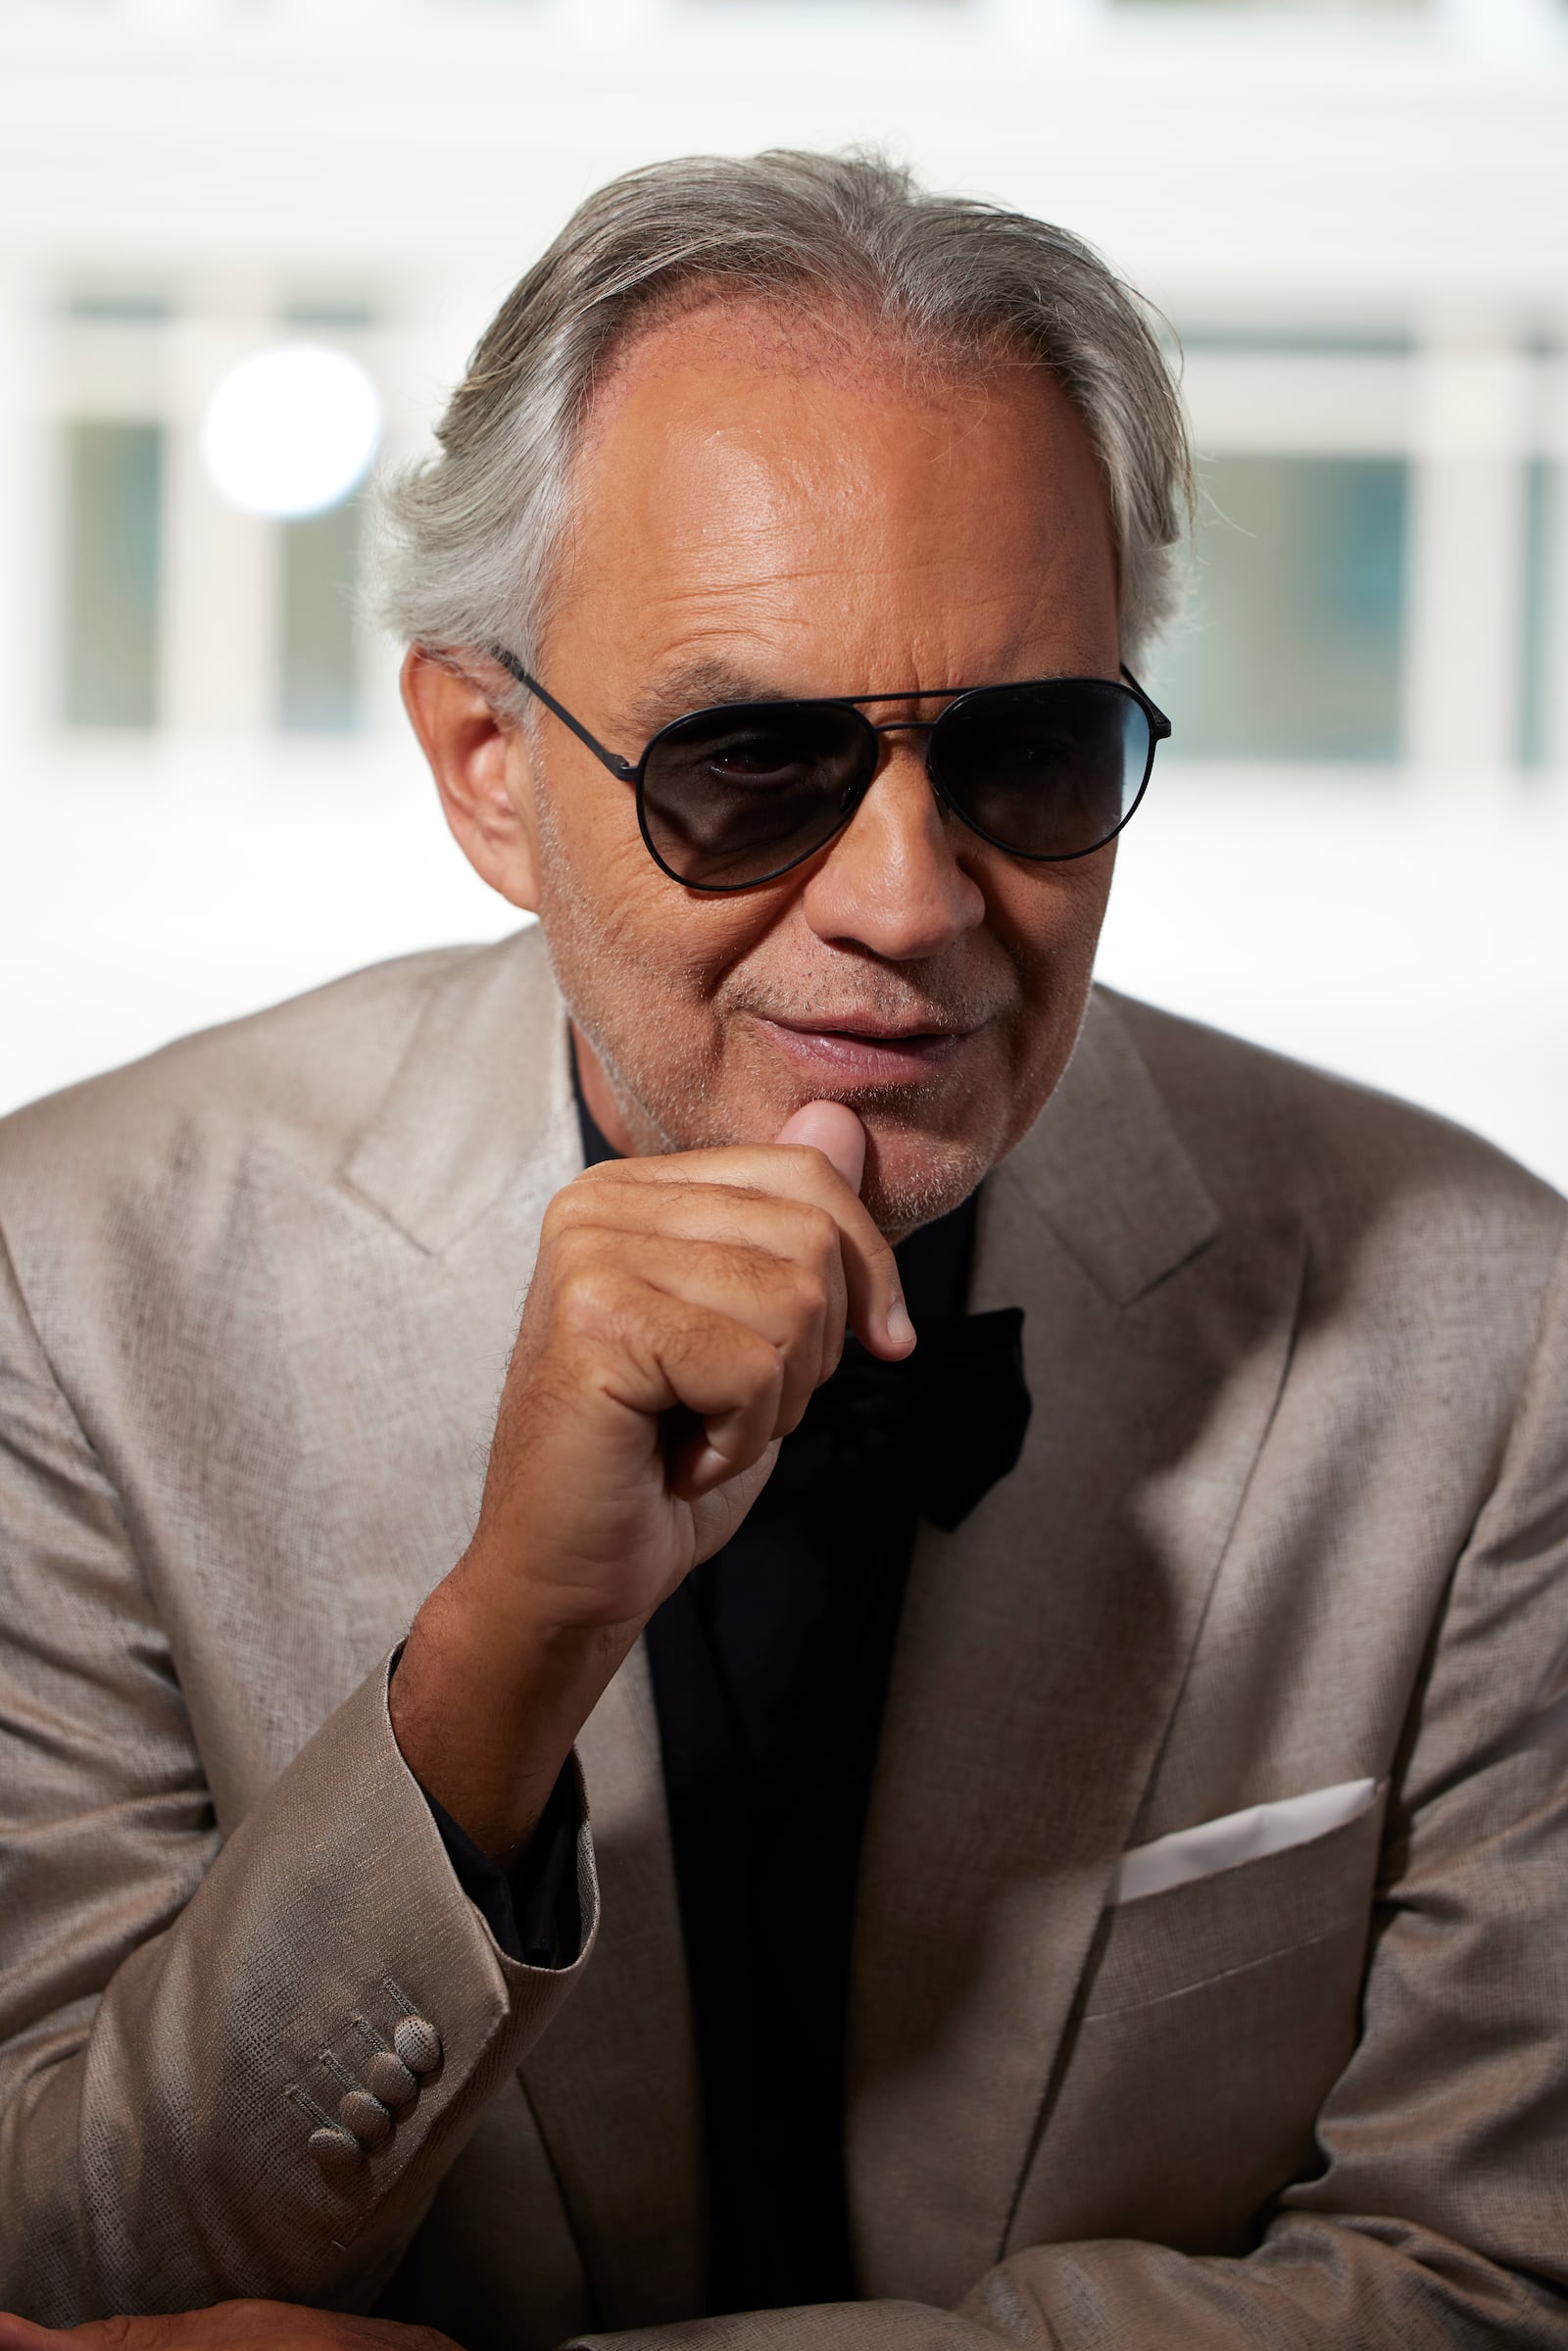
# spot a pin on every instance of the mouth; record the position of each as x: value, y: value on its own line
x: 859, y: 1049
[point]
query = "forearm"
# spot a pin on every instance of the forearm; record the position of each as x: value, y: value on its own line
x: 159, y: 2156
x: 1316, y: 2285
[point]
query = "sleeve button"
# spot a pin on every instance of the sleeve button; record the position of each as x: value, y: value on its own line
x: 365, y: 2117
x: 390, y: 2081
x: 419, y: 2044
x: 338, y: 2154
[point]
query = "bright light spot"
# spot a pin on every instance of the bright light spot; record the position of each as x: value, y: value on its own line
x: 291, y: 431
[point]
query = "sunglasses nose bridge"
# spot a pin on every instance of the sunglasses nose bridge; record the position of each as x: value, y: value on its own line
x: 922, y: 728
x: 895, y: 727
x: 886, y: 736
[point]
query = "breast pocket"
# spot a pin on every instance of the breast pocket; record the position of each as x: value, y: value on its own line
x: 1215, y: 2019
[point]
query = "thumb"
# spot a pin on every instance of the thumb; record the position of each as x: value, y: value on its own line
x: 833, y: 1129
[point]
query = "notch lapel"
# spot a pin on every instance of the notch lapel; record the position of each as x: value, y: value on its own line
x: 1041, y: 1653
x: 478, y: 1127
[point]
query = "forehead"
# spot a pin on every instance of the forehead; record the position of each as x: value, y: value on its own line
x: 755, y: 472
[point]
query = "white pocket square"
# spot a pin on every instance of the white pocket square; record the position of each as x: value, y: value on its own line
x: 1190, y: 1853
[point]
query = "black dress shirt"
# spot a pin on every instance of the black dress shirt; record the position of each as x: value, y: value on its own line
x: 769, y: 1666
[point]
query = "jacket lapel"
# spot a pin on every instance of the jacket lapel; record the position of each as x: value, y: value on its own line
x: 1041, y: 1653
x: 477, y: 1130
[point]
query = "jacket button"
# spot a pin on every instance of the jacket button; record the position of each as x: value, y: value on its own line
x: 419, y: 2044
x: 390, y: 2081
x: 339, y: 2153
x: 365, y: 2117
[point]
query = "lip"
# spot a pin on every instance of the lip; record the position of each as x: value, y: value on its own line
x: 866, y: 1051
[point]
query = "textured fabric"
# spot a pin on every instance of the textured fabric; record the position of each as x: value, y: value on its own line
x: 1292, y: 1511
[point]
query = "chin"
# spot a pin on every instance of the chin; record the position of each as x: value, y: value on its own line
x: 911, y: 1179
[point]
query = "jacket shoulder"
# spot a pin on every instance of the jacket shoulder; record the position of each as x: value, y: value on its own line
x: 300, y: 1078
x: 1267, y: 1132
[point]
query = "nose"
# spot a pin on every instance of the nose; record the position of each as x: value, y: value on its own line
x: 896, y: 880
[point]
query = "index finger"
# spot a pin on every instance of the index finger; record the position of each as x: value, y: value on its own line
x: 800, y: 1171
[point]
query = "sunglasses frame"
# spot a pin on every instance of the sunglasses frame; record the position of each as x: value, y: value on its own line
x: 955, y: 697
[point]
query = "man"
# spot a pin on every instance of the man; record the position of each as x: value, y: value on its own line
x: 862, y: 1848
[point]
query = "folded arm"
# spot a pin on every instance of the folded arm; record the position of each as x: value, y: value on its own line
x: 179, y: 2015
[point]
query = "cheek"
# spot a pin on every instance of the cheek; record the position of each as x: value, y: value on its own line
x: 1047, y: 918
x: 1049, y: 922
x: 638, y: 958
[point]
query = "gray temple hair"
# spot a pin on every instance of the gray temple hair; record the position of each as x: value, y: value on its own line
x: 468, y: 536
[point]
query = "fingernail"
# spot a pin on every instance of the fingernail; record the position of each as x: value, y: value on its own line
x: 901, y: 1330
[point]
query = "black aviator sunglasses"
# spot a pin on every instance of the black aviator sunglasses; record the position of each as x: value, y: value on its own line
x: 729, y: 796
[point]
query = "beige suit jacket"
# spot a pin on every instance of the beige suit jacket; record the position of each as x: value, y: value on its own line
x: 1293, y: 1513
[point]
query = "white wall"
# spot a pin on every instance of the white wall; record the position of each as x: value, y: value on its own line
x: 1404, y: 176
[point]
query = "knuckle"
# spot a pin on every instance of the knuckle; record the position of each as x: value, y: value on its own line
x: 591, y: 1293
x: 586, y: 1200
x: 759, y: 1368
x: 574, y: 1246
x: 685, y: 1334
x: 561, y: 1211
x: 818, y: 1231
x: 812, y: 1295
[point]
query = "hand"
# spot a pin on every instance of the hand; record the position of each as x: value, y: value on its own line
x: 227, y: 2327
x: 682, y: 1312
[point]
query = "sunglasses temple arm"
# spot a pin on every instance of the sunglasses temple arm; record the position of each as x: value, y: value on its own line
x: 1158, y: 720
x: 608, y: 759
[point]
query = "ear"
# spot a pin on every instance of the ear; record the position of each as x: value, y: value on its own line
x: 479, y: 759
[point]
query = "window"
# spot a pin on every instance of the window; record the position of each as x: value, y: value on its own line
x: 319, y: 682
x: 1291, y: 647
x: 112, y: 562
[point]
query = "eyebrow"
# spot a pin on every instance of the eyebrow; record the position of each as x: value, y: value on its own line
x: 696, y: 686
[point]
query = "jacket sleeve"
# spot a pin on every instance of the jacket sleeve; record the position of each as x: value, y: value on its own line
x: 1438, y: 2215
x: 182, y: 2015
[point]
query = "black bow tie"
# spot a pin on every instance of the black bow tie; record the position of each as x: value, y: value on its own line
x: 939, y: 1429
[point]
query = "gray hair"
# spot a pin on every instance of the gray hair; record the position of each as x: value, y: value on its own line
x: 467, y: 537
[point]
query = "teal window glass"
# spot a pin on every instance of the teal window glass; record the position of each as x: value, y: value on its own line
x: 112, y: 567
x: 319, y: 670
x: 1291, y: 645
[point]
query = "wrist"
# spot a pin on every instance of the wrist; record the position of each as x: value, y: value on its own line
x: 486, y: 1714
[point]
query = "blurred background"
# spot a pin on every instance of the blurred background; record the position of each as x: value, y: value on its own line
x: 245, y: 246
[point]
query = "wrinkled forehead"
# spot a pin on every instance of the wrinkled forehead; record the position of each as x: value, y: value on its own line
x: 751, y: 467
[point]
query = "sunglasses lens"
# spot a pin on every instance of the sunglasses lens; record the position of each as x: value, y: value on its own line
x: 1048, y: 770
x: 736, y: 795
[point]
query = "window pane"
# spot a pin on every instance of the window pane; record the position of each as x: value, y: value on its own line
x: 1292, y: 643
x: 319, y: 671
x: 114, y: 477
